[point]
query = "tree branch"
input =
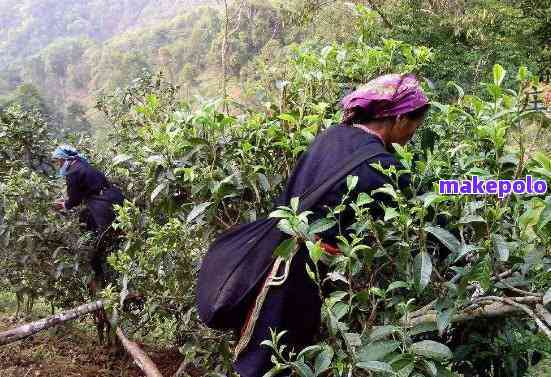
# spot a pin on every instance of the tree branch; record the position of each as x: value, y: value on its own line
x: 26, y: 330
x: 485, y: 307
x: 140, y: 358
x: 386, y: 22
x: 525, y: 309
x: 32, y: 328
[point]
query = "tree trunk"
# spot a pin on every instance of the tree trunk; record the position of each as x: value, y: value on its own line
x: 224, y: 53
x: 34, y: 327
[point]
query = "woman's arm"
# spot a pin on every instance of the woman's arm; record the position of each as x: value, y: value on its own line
x: 75, y: 194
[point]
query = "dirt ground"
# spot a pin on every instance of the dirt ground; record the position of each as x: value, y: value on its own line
x: 73, y: 350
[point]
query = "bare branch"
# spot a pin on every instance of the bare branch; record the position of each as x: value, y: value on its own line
x: 525, y: 309
x: 26, y: 330
x: 140, y: 358
x: 373, y: 6
x: 32, y: 328
x: 481, y: 307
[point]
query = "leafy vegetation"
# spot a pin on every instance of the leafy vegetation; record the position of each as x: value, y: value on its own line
x: 192, y: 167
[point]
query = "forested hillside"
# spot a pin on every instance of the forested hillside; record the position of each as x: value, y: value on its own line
x: 54, y: 51
x: 61, y: 54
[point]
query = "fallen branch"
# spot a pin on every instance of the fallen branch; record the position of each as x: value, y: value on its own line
x: 26, y: 330
x: 140, y: 358
x: 32, y: 328
x: 525, y: 309
x: 491, y: 310
x: 423, y: 310
x: 482, y: 307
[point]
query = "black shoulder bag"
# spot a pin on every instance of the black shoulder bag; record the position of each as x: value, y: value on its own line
x: 240, y: 258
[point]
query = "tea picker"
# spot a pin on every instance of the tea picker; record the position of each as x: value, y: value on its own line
x: 90, y: 188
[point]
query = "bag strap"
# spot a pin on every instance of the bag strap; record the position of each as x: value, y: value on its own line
x: 313, y: 195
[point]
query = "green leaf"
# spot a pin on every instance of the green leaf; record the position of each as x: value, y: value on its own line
x: 322, y: 225
x: 406, y: 371
x: 459, y: 89
x: 445, y: 237
x: 285, y: 226
x: 471, y: 219
x: 432, y: 349
x: 464, y: 250
x: 351, y: 182
x: 311, y: 274
x: 423, y: 269
x: 386, y: 189
x: 500, y: 247
x: 288, y: 118
x: 522, y: 73
x: 397, y: 284
x: 314, y: 250
x: 157, y: 159
x: 378, y: 350
x: 309, y: 351
x: 375, y: 366
x: 513, y: 281
x: 340, y: 309
x: 381, y: 332
x: 390, y: 213
x: 352, y: 339
x: 430, y: 367
x: 423, y: 328
x: 443, y: 319
x: 323, y: 360
x: 545, y: 216
x: 443, y: 372
x: 302, y: 369
x: 197, y: 210
x: 158, y: 190
x: 294, y: 203
x: 363, y: 199
x: 120, y: 159
x: 431, y: 197
x: 499, y: 74
x: 285, y: 248
x: 279, y: 213
x: 377, y: 292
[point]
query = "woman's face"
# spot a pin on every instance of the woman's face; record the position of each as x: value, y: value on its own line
x: 403, y: 129
x: 59, y: 162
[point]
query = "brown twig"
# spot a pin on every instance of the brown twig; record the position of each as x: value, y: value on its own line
x: 140, y: 358
x: 525, y: 309
x: 482, y: 307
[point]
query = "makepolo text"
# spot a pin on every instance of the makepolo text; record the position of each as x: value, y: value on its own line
x: 501, y: 187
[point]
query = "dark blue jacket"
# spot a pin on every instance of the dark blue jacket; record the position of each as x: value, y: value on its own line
x: 86, y: 185
x: 295, y: 306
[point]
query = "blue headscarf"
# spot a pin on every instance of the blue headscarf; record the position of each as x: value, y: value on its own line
x: 68, y: 154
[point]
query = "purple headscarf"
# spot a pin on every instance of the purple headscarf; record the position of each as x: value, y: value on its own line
x: 387, y: 95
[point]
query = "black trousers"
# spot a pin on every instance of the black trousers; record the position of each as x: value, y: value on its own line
x: 296, y: 307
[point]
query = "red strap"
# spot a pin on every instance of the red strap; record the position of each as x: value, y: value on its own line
x: 328, y: 248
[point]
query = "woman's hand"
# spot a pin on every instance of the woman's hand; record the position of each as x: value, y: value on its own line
x: 59, y: 204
